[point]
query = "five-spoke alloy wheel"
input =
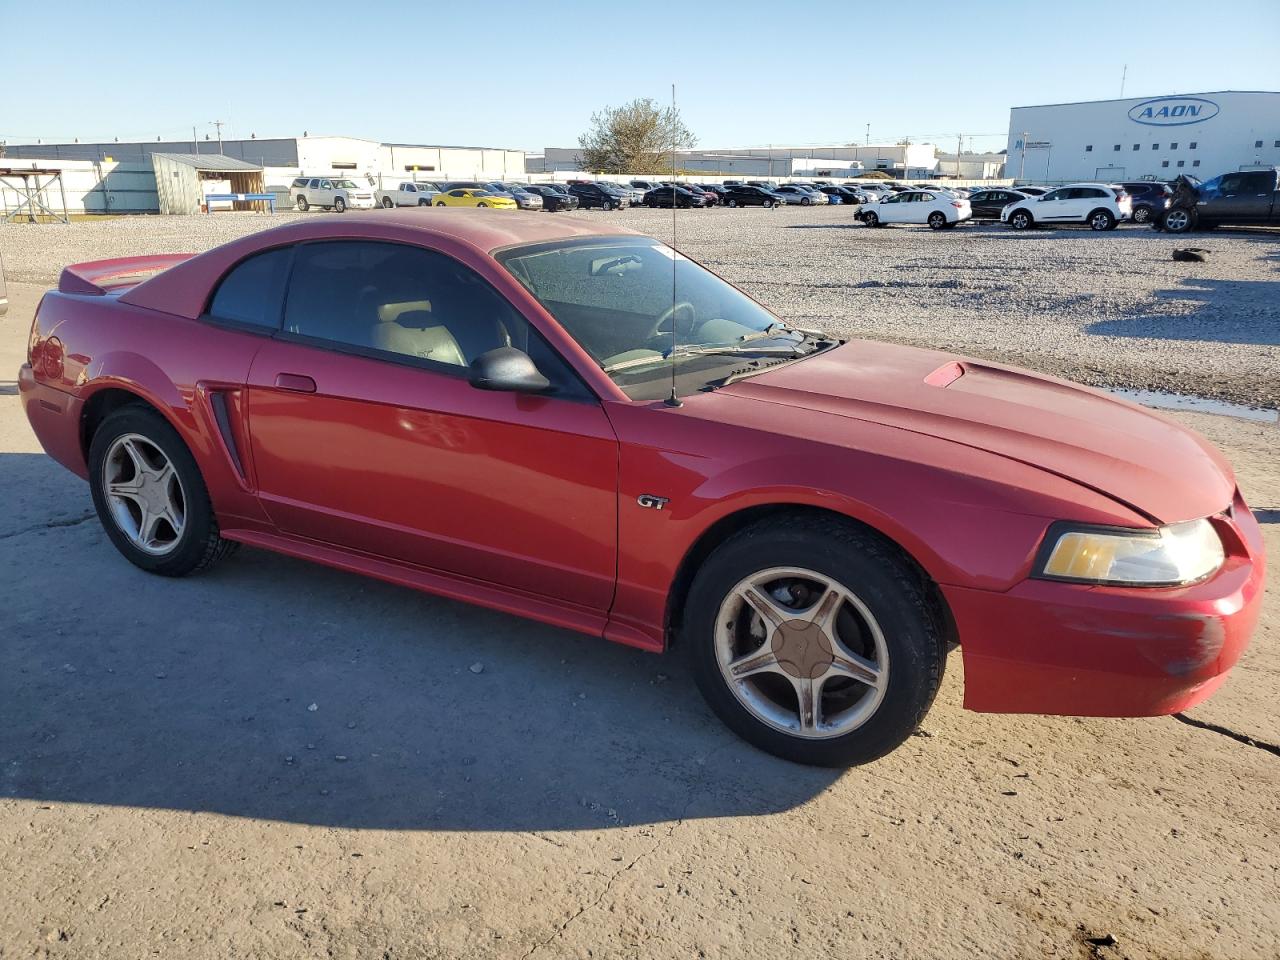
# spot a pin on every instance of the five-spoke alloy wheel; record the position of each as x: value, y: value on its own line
x: 150, y: 496
x: 814, y: 638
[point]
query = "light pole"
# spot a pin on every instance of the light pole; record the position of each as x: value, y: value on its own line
x: 1022, y: 162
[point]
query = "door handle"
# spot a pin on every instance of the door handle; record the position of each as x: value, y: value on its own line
x: 295, y: 381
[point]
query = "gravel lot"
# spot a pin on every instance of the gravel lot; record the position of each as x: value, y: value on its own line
x: 281, y: 760
x: 1108, y: 309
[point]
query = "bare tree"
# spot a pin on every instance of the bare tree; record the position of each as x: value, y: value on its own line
x: 635, y: 138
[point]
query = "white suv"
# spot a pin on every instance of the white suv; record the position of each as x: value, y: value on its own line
x: 1099, y: 205
x: 330, y: 193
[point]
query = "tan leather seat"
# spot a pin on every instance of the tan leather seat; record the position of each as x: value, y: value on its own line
x: 415, y: 333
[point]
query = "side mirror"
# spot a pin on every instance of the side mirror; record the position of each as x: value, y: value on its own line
x: 509, y: 369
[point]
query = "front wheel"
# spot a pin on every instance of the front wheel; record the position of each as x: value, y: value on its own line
x: 805, y: 201
x: 482, y: 204
x: 441, y: 203
x: 387, y: 203
x: 871, y: 219
x: 150, y: 496
x: 1142, y: 214
x: 732, y: 202
x: 340, y: 205
x: 815, y: 641
x: 1021, y: 220
x: 768, y: 204
x: 1178, y: 221
x: 1101, y: 220
x: 937, y: 220
x: 301, y: 204
x: 424, y: 202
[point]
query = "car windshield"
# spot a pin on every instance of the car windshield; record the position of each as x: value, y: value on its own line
x: 619, y: 297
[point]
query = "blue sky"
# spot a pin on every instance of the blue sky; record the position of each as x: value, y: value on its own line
x: 484, y: 74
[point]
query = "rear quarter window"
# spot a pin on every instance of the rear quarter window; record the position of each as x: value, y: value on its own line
x: 251, y: 293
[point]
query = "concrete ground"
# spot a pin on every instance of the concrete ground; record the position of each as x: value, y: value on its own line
x: 280, y: 760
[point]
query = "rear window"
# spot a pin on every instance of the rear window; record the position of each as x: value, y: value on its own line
x: 251, y: 293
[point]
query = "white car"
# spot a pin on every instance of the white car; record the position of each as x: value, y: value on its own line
x: 935, y: 208
x: 1099, y: 205
x: 409, y: 193
x: 331, y: 193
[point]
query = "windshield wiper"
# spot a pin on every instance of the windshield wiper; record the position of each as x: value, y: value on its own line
x: 681, y: 352
x: 762, y: 366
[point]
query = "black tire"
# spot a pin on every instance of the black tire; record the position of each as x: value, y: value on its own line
x: 441, y: 203
x: 301, y: 204
x: 607, y: 205
x: 1100, y: 220
x: 424, y: 202
x: 200, y: 544
x: 892, y: 590
x: 1143, y: 214
x: 1179, y: 220
x: 339, y: 205
x: 387, y: 203
x: 937, y: 220
x: 482, y: 204
x: 1022, y: 220
x: 871, y: 219
x: 768, y: 204
x: 732, y: 202
x: 805, y: 201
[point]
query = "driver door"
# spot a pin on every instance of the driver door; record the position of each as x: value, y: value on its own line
x: 367, y: 434
x: 1054, y: 205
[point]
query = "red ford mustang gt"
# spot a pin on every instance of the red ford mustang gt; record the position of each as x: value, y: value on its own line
x: 578, y: 424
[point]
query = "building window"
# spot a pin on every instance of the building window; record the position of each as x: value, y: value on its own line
x: 1195, y: 163
x: 1257, y: 143
x: 1137, y: 146
x: 1155, y: 146
x: 1173, y: 146
x: 1278, y: 143
x: 1182, y: 163
x: 343, y: 166
x: 1116, y: 147
x: 1193, y: 144
x: 1089, y: 148
x: 1164, y: 163
x: 412, y: 167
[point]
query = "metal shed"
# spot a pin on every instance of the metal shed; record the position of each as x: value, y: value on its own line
x: 180, y: 179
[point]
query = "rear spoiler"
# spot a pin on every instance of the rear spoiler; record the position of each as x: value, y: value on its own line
x: 98, y: 277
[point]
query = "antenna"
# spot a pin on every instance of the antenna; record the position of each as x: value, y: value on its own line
x: 673, y: 400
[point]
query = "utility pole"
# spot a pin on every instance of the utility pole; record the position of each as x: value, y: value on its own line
x: 218, y: 124
x: 1022, y: 162
x: 959, y: 150
x: 194, y: 142
x: 868, y: 143
x: 1123, y: 74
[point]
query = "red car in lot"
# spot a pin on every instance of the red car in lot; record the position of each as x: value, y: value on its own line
x: 491, y: 408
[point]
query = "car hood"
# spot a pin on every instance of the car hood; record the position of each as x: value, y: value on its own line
x: 1127, y: 452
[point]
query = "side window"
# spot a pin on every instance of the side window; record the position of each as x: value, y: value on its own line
x: 420, y: 305
x: 315, y: 184
x: 1055, y: 195
x: 326, y: 185
x: 925, y: 196
x: 1257, y: 182
x: 1231, y: 183
x: 251, y: 292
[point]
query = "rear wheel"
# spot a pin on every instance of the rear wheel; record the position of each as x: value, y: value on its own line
x: 482, y: 204
x: 424, y: 202
x: 1102, y: 220
x: 937, y: 220
x: 1021, y: 220
x: 150, y: 496
x: 441, y: 203
x: 301, y: 204
x: 339, y: 205
x: 768, y: 204
x: 387, y: 203
x: 805, y: 201
x: 813, y: 640
x: 732, y: 202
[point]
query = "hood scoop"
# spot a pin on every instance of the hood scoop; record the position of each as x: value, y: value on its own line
x: 946, y: 375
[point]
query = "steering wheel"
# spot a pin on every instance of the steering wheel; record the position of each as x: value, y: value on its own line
x: 670, y: 314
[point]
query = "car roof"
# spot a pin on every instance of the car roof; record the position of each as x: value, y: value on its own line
x: 181, y: 290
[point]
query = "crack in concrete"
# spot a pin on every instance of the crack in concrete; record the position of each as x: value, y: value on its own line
x: 583, y: 908
x: 1244, y: 738
x: 50, y: 525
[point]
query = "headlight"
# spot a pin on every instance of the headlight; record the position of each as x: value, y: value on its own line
x: 1176, y: 554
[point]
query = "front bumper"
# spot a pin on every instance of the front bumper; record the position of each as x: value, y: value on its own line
x: 1078, y: 650
x: 361, y: 203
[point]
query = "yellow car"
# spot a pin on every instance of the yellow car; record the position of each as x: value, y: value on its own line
x: 474, y: 197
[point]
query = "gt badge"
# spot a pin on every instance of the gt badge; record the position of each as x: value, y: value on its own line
x: 652, y: 502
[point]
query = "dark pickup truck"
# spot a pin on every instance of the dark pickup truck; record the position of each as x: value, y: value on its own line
x: 1246, y: 198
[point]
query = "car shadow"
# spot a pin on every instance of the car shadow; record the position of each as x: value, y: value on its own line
x: 1204, y: 309
x: 276, y: 689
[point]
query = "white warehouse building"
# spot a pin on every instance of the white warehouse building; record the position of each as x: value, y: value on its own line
x: 1200, y: 134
